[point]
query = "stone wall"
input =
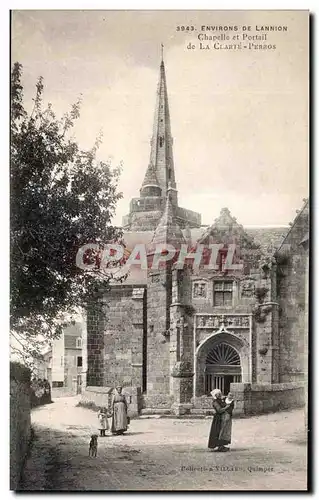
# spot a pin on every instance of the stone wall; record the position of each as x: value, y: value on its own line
x: 95, y: 343
x: 143, y: 221
x: 123, y: 338
x: 253, y: 399
x: 146, y: 212
x: 158, y: 344
x: 101, y: 396
x: 20, y: 420
x: 115, y: 330
x: 256, y: 399
x: 292, y: 280
x: 203, y: 405
x: 63, y: 392
x: 157, y: 401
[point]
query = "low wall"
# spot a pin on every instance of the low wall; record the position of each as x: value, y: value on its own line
x: 62, y: 392
x: 251, y: 399
x: 102, y: 396
x: 158, y: 401
x: 20, y: 420
x: 254, y: 399
x: 203, y: 405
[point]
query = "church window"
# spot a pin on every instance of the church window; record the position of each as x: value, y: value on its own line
x: 161, y: 141
x: 169, y: 174
x: 223, y: 293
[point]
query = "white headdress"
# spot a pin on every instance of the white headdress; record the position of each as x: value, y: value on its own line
x: 215, y: 393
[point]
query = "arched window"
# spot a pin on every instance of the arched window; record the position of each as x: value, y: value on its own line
x: 79, y: 343
x: 161, y: 141
x: 223, y: 354
x: 222, y: 368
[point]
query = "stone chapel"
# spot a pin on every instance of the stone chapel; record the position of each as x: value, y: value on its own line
x: 170, y: 336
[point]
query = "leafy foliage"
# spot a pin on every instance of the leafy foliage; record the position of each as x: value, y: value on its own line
x: 61, y: 199
x: 20, y: 373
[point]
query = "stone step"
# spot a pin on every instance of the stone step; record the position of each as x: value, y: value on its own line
x: 155, y: 411
x: 195, y: 413
x: 172, y: 416
x: 201, y: 411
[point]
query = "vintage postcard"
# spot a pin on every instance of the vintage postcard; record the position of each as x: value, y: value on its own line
x: 159, y: 250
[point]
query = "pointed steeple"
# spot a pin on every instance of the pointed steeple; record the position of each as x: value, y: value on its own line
x: 168, y: 230
x: 150, y: 186
x: 161, y: 157
x: 146, y: 211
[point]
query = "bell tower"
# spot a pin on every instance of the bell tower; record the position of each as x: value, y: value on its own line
x: 159, y: 300
x: 147, y: 210
x: 161, y: 157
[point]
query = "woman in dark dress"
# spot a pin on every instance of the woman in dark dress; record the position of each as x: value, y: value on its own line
x: 217, y: 437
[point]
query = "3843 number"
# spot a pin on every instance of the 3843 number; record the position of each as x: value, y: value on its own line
x: 185, y: 28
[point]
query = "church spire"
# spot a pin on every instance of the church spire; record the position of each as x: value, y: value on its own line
x: 159, y: 181
x: 150, y: 186
x: 168, y: 230
x: 161, y: 157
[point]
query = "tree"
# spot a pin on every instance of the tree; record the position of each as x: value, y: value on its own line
x: 61, y: 198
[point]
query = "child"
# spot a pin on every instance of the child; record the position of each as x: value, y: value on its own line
x: 103, y: 423
x: 229, y: 400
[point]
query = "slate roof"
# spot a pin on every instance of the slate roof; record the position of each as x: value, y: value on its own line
x: 299, y: 224
x: 268, y: 237
x: 168, y: 231
x: 150, y: 178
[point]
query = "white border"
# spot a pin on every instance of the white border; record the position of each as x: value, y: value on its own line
x: 4, y: 106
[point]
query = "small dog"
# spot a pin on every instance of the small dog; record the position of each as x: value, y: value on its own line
x: 93, y: 446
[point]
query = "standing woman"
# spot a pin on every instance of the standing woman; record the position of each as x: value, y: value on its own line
x: 119, y: 412
x: 217, y: 437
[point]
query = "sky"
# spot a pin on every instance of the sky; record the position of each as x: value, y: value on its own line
x: 239, y: 118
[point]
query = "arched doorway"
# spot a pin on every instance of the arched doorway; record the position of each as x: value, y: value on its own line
x: 222, y: 368
x: 221, y: 361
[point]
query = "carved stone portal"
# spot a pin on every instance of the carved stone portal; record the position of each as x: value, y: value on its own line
x: 216, y: 321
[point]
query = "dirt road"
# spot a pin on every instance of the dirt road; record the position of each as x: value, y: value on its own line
x: 268, y: 453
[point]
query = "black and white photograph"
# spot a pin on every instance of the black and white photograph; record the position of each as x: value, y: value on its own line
x: 159, y: 250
